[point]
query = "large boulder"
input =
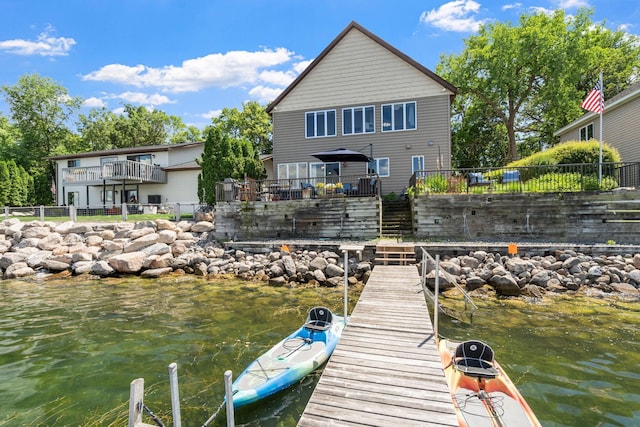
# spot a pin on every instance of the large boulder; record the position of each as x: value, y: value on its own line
x: 130, y: 262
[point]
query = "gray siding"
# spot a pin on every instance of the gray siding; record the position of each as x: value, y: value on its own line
x: 433, y: 124
x: 359, y: 71
x: 620, y: 128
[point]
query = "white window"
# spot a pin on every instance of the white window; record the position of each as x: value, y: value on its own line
x: 292, y: 170
x: 380, y: 166
x: 358, y: 120
x: 417, y: 164
x: 586, y: 133
x: 400, y: 116
x: 320, y: 123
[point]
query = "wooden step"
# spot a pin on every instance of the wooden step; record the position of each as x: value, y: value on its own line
x: 395, y: 253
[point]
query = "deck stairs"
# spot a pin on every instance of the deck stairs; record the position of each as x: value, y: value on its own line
x: 396, y: 218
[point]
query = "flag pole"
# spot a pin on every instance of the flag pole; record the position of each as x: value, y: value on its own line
x: 601, y: 113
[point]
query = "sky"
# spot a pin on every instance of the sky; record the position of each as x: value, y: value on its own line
x: 192, y: 58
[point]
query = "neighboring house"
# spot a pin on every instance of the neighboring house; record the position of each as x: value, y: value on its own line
x: 362, y: 94
x: 158, y: 174
x: 620, y: 125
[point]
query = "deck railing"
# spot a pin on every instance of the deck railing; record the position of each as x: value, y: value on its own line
x: 126, y: 170
x: 566, y: 178
x: 298, y: 188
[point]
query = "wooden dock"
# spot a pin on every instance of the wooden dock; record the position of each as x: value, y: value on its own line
x: 386, y: 370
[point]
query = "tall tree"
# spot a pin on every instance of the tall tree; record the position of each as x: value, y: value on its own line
x: 41, y: 110
x: 225, y: 157
x: 252, y: 123
x: 102, y: 129
x: 527, y: 81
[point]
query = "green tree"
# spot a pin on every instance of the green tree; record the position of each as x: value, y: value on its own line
x: 524, y: 82
x: 252, y: 123
x: 41, y: 110
x: 137, y: 126
x: 5, y: 183
x: 225, y: 157
x: 8, y: 139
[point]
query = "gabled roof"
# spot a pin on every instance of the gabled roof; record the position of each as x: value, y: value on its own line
x: 627, y: 95
x: 354, y: 25
x: 127, y: 150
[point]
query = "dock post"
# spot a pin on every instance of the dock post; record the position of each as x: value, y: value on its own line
x: 136, y: 394
x: 175, y: 396
x: 229, y: 394
x: 345, y: 250
x: 435, y: 299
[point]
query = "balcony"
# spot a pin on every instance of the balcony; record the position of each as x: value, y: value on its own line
x: 115, y: 173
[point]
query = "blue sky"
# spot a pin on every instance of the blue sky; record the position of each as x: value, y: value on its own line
x: 191, y: 58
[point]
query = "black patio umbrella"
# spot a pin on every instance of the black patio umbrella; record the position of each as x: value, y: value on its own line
x: 341, y: 155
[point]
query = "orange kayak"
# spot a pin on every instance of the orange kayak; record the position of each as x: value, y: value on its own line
x: 482, y: 393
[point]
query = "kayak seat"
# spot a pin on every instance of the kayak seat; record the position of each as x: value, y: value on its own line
x: 319, y: 319
x: 475, y: 359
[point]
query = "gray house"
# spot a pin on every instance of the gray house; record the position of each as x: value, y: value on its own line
x: 362, y: 94
x: 620, y: 125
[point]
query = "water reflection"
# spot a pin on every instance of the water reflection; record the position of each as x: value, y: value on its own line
x: 70, y: 348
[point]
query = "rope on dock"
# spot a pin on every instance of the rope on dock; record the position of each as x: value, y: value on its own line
x: 153, y: 416
x: 215, y: 414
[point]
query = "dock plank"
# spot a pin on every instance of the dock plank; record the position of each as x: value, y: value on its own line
x: 386, y: 370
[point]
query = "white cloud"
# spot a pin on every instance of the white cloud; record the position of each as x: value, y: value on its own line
x: 278, y: 78
x: 233, y: 68
x: 456, y: 15
x: 44, y: 45
x: 299, y: 67
x: 144, y: 98
x: 211, y: 114
x: 94, y: 102
x: 511, y: 6
x: 571, y: 4
x: 265, y: 94
x: 543, y: 10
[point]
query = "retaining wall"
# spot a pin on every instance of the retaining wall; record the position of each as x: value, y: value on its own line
x: 558, y: 217
x: 332, y: 218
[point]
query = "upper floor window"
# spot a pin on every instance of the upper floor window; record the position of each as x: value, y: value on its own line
x: 380, y: 166
x: 586, y: 133
x: 358, y: 120
x: 320, y: 123
x: 400, y: 116
x: 73, y: 163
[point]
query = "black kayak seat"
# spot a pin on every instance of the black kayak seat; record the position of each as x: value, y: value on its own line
x: 319, y: 319
x: 475, y: 359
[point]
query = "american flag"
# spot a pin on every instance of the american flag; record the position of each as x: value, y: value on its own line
x: 594, y: 100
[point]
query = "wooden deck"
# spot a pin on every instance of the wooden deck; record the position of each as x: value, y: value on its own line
x: 386, y: 370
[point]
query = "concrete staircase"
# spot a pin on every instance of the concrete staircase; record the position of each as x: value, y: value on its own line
x: 396, y: 218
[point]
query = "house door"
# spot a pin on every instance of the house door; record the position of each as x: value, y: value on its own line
x: 73, y: 198
x: 325, y: 172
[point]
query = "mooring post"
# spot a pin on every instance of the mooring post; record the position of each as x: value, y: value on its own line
x: 435, y: 299
x: 136, y: 394
x: 228, y: 379
x: 175, y: 396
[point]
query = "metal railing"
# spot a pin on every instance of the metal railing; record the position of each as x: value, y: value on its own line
x: 127, y: 170
x: 565, y: 178
x: 298, y: 188
x: 115, y: 212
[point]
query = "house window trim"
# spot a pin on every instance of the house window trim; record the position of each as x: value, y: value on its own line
x: 586, y: 132
x: 306, y: 166
x: 326, y: 124
x: 376, y: 167
x: 364, y: 131
x: 418, y: 156
x: 404, y: 116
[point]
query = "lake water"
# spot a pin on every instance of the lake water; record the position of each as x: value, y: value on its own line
x: 70, y: 348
